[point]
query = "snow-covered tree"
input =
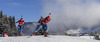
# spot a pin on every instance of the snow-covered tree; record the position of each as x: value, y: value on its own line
x: 7, y: 24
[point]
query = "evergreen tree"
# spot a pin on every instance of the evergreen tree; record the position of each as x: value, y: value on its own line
x: 1, y: 14
x: 7, y: 25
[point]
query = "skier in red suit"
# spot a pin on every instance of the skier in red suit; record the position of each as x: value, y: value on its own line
x: 21, y: 21
x: 44, y: 24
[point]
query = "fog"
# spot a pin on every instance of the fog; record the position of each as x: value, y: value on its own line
x: 68, y: 13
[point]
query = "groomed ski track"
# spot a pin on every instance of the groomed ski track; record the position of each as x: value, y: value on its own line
x: 50, y: 38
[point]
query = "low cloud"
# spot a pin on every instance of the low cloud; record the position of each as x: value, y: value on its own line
x: 67, y: 13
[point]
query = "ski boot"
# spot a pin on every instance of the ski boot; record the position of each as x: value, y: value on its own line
x: 19, y: 34
x: 16, y: 35
x: 33, y: 34
x: 45, y: 35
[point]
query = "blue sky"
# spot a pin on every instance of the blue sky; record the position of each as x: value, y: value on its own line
x: 30, y: 9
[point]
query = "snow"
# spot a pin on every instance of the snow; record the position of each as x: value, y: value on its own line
x: 74, y: 31
x: 50, y: 38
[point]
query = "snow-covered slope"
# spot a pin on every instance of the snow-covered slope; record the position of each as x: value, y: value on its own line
x: 50, y: 38
x: 96, y: 29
